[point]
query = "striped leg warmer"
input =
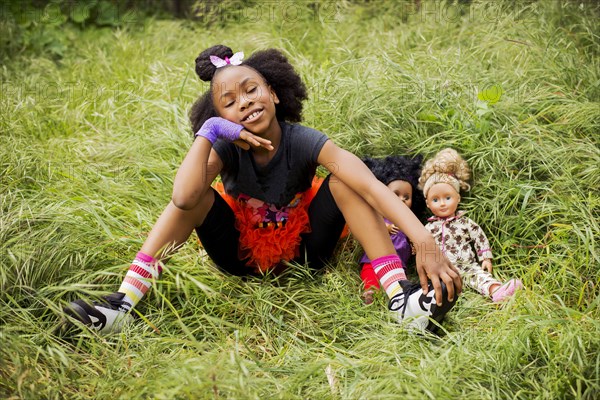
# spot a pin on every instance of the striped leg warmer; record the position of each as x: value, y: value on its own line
x: 139, y: 279
x: 390, y: 272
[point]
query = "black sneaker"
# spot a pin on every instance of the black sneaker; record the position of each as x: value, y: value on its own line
x: 417, y: 310
x: 105, y: 316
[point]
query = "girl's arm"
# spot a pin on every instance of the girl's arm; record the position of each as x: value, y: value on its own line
x: 199, y: 168
x: 431, y: 262
x: 202, y: 165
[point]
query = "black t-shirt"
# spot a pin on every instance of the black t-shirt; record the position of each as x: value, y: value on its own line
x: 289, y: 172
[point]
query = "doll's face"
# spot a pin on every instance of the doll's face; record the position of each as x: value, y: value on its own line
x: 403, y: 190
x: 442, y: 200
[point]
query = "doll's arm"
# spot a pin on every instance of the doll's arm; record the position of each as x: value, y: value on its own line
x: 480, y: 242
x: 487, y: 265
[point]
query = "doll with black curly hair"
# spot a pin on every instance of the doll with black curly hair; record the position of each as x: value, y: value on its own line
x: 270, y: 214
x: 401, y: 175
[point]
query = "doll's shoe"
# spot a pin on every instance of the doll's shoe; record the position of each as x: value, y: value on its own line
x: 367, y: 296
x: 106, y: 316
x: 419, y: 311
x: 507, y: 290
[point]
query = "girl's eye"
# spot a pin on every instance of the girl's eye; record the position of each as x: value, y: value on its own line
x: 435, y: 200
x: 447, y: 197
x: 252, y: 89
x: 228, y: 104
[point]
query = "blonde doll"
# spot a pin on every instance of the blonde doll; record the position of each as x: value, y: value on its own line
x: 459, y: 238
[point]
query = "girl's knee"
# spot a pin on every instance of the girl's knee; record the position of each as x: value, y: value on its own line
x: 339, y: 190
x: 197, y: 213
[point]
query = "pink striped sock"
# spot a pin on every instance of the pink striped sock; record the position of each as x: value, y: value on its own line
x: 389, y: 270
x: 139, y: 279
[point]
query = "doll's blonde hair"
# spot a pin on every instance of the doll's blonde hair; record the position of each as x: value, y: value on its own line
x: 446, y: 167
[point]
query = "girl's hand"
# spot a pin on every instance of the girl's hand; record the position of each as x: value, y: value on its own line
x: 487, y: 265
x: 432, y: 263
x: 248, y: 139
x: 219, y: 128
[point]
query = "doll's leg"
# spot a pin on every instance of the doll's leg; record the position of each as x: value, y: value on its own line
x: 507, y: 290
x: 479, y: 279
x: 482, y: 281
x: 370, y: 282
x: 367, y: 274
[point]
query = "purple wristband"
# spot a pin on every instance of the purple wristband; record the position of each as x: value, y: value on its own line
x: 219, y: 128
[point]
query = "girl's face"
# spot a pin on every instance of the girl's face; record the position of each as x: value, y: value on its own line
x: 241, y: 95
x: 403, y: 190
x: 442, y: 200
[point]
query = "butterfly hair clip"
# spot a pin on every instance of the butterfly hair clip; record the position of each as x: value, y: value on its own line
x: 235, y: 59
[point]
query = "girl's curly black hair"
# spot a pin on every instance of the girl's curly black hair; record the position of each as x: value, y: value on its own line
x: 275, y: 69
x: 393, y: 168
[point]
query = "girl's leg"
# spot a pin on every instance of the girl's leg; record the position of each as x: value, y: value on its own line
x: 369, y: 229
x: 220, y: 238
x: 214, y: 222
x: 170, y: 231
x: 364, y: 222
x: 336, y: 204
x: 174, y: 227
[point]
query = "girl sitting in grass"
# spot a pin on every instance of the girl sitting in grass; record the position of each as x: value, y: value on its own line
x: 461, y: 239
x: 271, y: 215
x: 401, y: 175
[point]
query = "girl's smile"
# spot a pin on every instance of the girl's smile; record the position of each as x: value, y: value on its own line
x: 252, y: 115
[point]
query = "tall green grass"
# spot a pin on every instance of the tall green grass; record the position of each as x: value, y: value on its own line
x: 90, y: 146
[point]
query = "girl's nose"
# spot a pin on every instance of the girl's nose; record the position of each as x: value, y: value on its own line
x: 245, y: 102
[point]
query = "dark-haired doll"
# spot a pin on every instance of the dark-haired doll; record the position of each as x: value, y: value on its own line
x: 401, y: 176
x: 271, y: 216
